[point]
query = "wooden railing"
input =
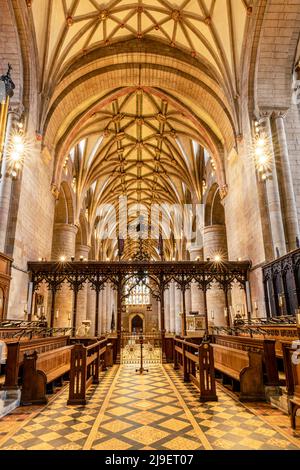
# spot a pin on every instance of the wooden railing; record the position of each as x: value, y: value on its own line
x: 198, y: 366
x: 85, y: 365
x: 18, y: 333
x: 8, y: 323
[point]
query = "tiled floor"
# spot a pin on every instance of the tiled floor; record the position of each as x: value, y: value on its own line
x: 155, y: 411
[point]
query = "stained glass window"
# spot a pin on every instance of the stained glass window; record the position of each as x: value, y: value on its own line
x: 137, y: 292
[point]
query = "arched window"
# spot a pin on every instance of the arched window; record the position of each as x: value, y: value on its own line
x: 137, y: 292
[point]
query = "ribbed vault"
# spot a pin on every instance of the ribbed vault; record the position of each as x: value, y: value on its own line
x: 139, y: 148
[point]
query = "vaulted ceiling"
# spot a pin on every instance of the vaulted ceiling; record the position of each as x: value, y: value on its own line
x: 138, y: 147
x: 139, y: 144
x: 212, y: 30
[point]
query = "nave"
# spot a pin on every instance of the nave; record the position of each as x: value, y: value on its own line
x: 154, y: 411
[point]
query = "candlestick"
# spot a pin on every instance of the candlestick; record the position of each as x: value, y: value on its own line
x: 69, y: 316
x: 212, y: 313
x: 56, y: 316
x: 225, y: 312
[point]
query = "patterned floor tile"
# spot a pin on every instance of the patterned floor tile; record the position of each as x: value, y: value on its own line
x: 154, y: 411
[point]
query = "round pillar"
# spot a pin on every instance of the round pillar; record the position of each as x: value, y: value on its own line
x: 172, y: 306
x: 167, y: 310
x: 215, y: 242
x: 178, y: 310
x: 82, y: 251
x: 197, y: 296
x: 287, y: 186
x: 5, y: 184
x: 63, y: 244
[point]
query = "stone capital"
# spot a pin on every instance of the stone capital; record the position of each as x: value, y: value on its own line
x: 273, y: 112
x: 64, y: 227
x: 223, y: 191
x: 55, y: 191
x: 279, y: 113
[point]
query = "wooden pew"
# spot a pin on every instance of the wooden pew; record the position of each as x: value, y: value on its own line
x: 291, y: 357
x: 244, y: 367
x: 17, y: 349
x: 42, y: 369
x: 85, y: 365
x: 197, y: 363
x: 266, y: 347
x: 279, y: 333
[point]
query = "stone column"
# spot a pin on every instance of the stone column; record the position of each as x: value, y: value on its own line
x: 172, y: 306
x: 5, y: 184
x: 90, y: 307
x: 273, y: 196
x: 108, y: 307
x: 287, y: 187
x: 188, y: 301
x: 82, y: 251
x: 167, y: 310
x: 63, y: 244
x: 196, y: 295
x: 215, y: 242
x: 178, y: 310
x: 103, y: 309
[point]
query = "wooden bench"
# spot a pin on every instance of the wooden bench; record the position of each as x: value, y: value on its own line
x: 279, y: 333
x: 266, y: 347
x: 197, y: 363
x: 17, y: 349
x: 244, y: 367
x: 39, y: 370
x: 291, y: 358
x: 85, y: 365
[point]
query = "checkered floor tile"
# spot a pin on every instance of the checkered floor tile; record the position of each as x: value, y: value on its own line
x: 154, y: 411
x: 228, y: 424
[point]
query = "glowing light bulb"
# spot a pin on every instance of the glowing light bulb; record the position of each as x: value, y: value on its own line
x: 17, y: 139
x: 261, y: 142
x: 15, y: 156
x: 218, y: 258
x: 263, y: 159
x: 62, y: 258
x: 19, y: 147
x: 259, y: 151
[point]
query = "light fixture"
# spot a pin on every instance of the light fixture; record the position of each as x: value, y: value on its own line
x: 261, y: 153
x: 218, y: 258
x: 62, y: 259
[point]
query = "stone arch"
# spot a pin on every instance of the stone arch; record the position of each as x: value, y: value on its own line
x: 214, y: 209
x: 273, y: 54
x: 88, y: 87
x: 132, y: 316
x: 64, y: 209
x: 82, y: 236
x: 11, y: 54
